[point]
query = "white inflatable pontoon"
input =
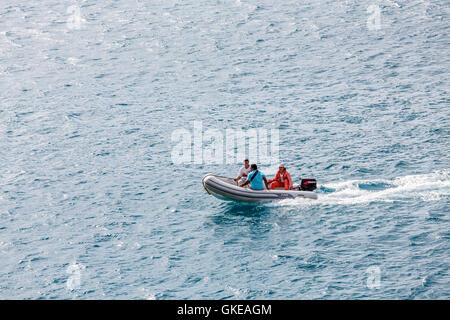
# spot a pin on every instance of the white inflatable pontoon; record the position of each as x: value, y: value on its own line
x: 227, y: 189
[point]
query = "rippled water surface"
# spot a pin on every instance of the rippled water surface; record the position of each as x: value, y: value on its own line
x: 92, y: 206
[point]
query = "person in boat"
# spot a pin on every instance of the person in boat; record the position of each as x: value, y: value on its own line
x: 282, y: 179
x: 255, y: 178
x: 243, y: 172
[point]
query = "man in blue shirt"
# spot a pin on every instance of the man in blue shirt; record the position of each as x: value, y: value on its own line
x: 256, y: 178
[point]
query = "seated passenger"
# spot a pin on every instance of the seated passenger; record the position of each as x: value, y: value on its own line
x: 282, y: 179
x: 256, y: 178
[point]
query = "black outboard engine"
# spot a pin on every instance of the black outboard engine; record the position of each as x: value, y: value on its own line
x: 308, y: 185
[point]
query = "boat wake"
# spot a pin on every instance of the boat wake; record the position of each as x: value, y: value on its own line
x: 424, y: 187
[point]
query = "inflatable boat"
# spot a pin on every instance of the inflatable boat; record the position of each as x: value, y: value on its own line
x: 227, y: 189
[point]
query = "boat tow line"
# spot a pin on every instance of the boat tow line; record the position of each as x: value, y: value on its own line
x: 204, y: 188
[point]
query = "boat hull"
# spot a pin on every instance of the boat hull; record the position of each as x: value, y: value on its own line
x: 225, y: 189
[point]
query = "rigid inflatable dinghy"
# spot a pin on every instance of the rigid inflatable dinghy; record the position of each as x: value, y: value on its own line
x: 227, y: 189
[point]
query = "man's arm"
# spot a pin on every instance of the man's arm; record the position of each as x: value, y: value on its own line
x: 277, y: 176
x: 265, y: 182
x: 245, y: 183
x: 241, y: 175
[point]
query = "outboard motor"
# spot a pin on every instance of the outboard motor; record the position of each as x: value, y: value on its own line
x: 308, y: 185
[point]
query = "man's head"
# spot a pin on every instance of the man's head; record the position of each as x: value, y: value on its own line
x: 281, y: 167
x: 246, y: 163
x: 254, y: 167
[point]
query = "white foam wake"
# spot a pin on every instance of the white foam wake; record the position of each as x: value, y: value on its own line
x: 425, y: 187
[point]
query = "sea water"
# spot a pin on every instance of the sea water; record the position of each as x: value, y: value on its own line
x: 92, y: 205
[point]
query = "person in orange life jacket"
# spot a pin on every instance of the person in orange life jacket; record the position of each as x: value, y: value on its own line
x: 282, y: 179
x: 256, y: 179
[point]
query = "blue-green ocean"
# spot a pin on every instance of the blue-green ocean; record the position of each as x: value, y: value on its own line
x: 92, y: 205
